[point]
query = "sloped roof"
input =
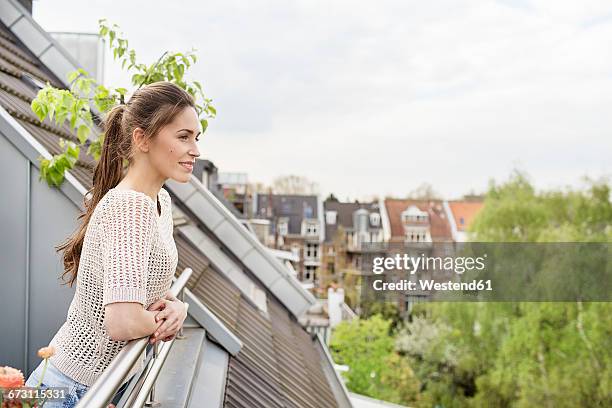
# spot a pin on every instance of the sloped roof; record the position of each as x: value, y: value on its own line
x: 464, y: 212
x: 295, y: 207
x: 279, y: 364
x: 440, y: 229
x: 344, y: 216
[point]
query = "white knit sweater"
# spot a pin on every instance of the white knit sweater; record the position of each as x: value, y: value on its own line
x: 128, y: 255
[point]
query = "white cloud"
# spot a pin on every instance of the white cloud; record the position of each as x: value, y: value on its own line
x: 376, y: 97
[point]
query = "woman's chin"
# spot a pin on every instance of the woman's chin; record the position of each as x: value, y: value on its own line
x: 184, y: 178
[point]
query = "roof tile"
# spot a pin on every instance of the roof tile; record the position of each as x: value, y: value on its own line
x: 440, y: 229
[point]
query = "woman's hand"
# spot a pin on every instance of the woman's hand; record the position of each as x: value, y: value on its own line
x: 172, y: 313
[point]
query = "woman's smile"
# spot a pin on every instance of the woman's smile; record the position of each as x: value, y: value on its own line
x: 187, y: 165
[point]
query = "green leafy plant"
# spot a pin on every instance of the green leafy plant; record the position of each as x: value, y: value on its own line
x: 374, y: 368
x: 75, y: 105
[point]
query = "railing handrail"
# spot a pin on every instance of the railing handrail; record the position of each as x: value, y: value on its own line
x: 138, y: 399
x: 346, y: 309
x: 104, y: 388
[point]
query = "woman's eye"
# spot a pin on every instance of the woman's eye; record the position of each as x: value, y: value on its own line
x: 187, y: 137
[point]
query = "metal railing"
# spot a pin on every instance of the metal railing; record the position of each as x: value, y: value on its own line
x: 141, y: 391
x: 347, y: 312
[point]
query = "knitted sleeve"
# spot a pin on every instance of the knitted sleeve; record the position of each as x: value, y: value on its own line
x: 128, y: 225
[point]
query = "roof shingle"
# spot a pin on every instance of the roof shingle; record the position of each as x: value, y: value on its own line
x: 278, y: 364
x: 464, y: 212
x: 440, y: 229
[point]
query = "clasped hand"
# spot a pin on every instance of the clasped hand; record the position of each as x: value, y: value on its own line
x: 170, y: 317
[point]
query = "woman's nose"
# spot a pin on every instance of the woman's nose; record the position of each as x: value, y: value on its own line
x: 195, y: 152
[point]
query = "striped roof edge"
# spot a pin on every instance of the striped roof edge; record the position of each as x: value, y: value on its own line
x: 39, y: 42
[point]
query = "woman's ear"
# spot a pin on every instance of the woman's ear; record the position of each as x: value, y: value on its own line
x: 139, y: 140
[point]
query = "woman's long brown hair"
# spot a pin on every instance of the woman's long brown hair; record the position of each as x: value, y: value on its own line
x: 150, y: 108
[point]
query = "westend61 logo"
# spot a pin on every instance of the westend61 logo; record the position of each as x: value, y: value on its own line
x: 412, y: 264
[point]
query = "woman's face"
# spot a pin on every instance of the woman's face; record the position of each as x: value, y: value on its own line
x: 173, y: 151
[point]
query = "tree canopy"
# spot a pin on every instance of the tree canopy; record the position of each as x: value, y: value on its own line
x: 505, y: 354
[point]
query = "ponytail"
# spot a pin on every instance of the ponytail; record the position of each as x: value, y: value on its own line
x: 107, y: 174
x: 108, y: 171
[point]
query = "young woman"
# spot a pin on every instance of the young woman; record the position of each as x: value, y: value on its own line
x: 123, y: 256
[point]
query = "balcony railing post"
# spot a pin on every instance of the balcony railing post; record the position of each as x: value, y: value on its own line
x: 180, y: 334
x: 151, y: 399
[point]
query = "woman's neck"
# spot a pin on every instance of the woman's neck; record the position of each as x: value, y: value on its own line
x: 149, y: 192
x: 142, y: 183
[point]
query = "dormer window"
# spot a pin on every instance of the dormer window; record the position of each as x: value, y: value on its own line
x: 310, y: 227
x: 330, y: 217
x: 283, y: 226
x: 413, y: 215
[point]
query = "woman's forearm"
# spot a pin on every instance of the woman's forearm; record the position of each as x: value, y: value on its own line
x: 129, y: 321
x: 143, y: 326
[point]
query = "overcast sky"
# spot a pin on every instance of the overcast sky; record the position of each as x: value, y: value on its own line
x: 377, y: 97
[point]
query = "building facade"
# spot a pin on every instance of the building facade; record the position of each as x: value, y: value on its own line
x: 349, y: 228
x: 295, y: 224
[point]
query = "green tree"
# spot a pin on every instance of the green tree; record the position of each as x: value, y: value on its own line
x: 375, y: 369
x: 389, y: 310
x: 515, y: 212
x: 555, y: 354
